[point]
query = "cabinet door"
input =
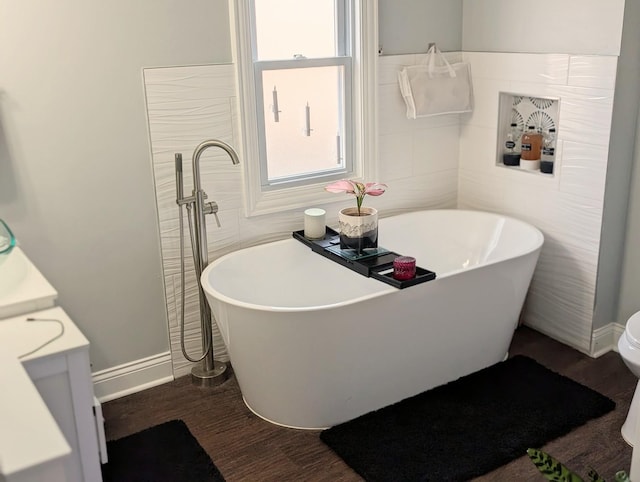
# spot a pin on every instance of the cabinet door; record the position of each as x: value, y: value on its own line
x: 55, y: 390
x: 64, y: 383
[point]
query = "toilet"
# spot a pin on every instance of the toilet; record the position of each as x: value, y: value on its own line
x: 629, y: 348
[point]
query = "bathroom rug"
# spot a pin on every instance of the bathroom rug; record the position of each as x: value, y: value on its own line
x: 163, y: 453
x: 467, y: 427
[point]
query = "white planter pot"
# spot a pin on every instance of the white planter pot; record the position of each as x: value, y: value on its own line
x: 358, y: 232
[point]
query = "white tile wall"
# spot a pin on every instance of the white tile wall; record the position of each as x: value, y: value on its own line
x: 592, y: 71
x: 186, y: 105
x: 566, y: 207
x: 584, y: 169
x: 535, y: 68
x: 444, y: 161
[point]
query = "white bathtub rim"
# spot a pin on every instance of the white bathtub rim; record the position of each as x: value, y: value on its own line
x: 384, y: 289
x: 537, y: 243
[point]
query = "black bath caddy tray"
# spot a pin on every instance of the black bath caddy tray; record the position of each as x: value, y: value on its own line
x: 374, y: 263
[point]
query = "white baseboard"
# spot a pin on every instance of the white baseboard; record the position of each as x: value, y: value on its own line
x: 132, y: 377
x: 618, y: 331
x: 605, y: 339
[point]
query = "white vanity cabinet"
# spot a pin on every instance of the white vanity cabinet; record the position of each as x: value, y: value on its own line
x: 61, y: 374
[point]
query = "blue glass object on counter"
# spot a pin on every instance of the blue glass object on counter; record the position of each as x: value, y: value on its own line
x: 7, y: 240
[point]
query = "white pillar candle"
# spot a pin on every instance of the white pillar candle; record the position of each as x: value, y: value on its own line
x: 314, y: 223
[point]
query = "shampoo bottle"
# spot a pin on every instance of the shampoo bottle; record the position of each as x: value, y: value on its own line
x: 531, y: 147
x: 511, y: 154
x: 548, y: 152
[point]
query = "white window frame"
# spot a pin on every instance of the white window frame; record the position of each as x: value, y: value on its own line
x: 259, y: 200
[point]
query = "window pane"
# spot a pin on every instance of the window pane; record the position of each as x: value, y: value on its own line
x: 293, y: 146
x: 285, y: 28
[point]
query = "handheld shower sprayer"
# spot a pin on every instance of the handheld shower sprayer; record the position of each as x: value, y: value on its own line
x: 179, y: 184
x: 209, y: 372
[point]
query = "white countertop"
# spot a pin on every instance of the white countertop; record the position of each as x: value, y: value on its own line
x: 22, y: 287
x: 29, y: 435
x: 22, y: 336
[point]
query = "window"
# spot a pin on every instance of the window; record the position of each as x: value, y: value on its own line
x: 306, y: 68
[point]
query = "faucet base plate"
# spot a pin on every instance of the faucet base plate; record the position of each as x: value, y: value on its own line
x: 210, y: 378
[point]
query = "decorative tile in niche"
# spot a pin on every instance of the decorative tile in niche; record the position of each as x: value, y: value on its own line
x: 516, y: 118
x: 541, y: 120
x: 517, y: 113
x: 541, y: 103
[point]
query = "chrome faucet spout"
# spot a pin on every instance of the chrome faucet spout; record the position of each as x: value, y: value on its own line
x: 204, y: 146
x: 199, y: 196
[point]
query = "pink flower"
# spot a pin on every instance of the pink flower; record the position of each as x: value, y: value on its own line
x: 341, y: 186
x: 358, y: 189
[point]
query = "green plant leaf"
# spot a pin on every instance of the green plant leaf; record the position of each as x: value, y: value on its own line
x: 594, y: 476
x: 621, y: 476
x: 551, y: 468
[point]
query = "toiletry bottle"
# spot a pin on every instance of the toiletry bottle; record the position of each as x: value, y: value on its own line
x: 511, y: 154
x: 531, y: 145
x: 548, y: 152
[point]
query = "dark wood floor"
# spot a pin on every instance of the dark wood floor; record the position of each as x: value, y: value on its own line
x: 246, y: 448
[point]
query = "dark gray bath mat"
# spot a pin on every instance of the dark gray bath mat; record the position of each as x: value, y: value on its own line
x: 163, y: 453
x: 468, y: 427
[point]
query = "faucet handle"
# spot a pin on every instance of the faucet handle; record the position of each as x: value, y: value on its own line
x: 212, y: 208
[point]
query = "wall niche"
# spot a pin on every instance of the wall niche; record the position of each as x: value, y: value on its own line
x: 527, y: 133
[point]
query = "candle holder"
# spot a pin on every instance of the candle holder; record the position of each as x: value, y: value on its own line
x: 314, y: 223
x: 404, y: 268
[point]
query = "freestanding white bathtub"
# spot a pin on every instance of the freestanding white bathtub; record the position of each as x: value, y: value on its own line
x: 314, y: 344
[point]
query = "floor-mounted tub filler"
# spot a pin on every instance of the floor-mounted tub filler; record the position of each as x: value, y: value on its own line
x: 207, y: 371
x: 314, y: 344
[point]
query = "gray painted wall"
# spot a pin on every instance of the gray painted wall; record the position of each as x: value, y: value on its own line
x: 76, y: 183
x: 630, y: 283
x: 617, y: 190
x: 569, y: 26
x: 408, y: 26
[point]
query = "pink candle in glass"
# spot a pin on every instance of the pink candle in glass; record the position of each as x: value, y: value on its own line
x: 404, y: 268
